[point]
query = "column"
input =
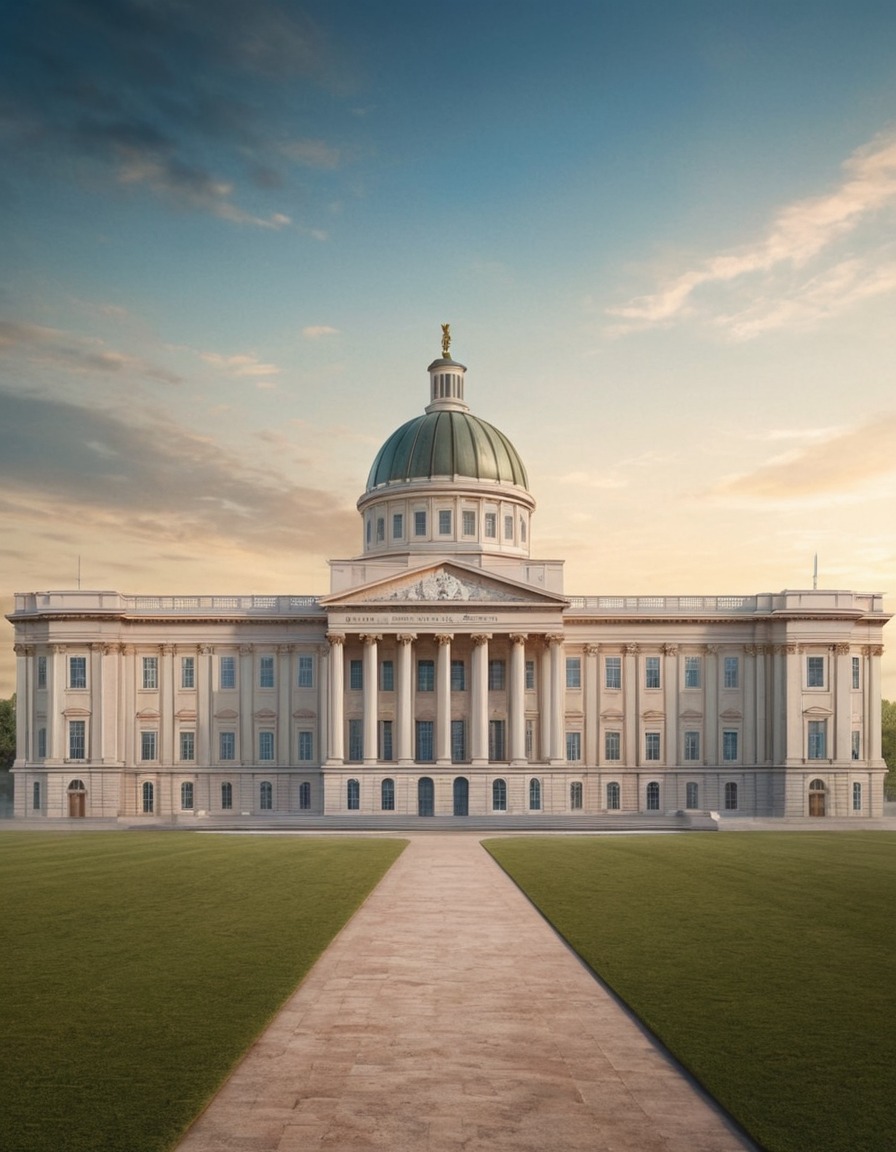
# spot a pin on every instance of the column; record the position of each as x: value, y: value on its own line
x: 404, y: 712
x: 778, y: 702
x: 750, y: 705
x: 57, y: 749
x: 285, y: 752
x: 322, y: 683
x: 558, y: 700
x: 545, y: 727
x: 336, y: 727
x: 711, y: 705
x: 842, y: 734
x: 592, y: 706
x: 518, y: 698
x: 479, y: 698
x: 443, y: 698
x: 670, y: 704
x: 632, y: 753
x: 110, y: 697
x: 24, y: 711
x: 793, y: 751
x: 872, y: 681
x: 370, y: 692
x: 204, y: 705
x: 129, y: 712
x: 246, y: 705
x: 762, y: 713
x: 166, y: 704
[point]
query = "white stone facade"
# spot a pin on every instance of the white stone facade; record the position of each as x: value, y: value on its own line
x: 447, y: 673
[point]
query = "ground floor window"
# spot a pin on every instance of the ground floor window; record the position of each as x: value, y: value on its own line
x: 148, y: 797
x: 186, y: 797
x: 856, y: 797
x: 653, y: 796
x: 535, y: 795
x: 499, y: 795
x: 575, y: 795
x: 226, y: 796
x: 730, y: 797
x: 387, y: 795
x: 613, y: 796
x: 692, y: 795
x: 35, y: 795
x: 353, y: 795
x: 266, y: 796
x: 304, y: 796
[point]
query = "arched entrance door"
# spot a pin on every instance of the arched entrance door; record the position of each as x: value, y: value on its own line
x: 426, y: 802
x: 461, y: 796
x: 816, y: 798
x: 77, y: 800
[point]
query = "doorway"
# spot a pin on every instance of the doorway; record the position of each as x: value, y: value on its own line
x: 77, y: 800
x: 425, y: 796
x: 816, y: 798
x: 461, y: 796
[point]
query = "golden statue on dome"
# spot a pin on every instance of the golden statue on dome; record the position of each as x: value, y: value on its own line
x: 446, y: 341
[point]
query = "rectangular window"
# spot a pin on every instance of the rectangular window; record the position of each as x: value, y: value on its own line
x: 530, y: 739
x: 731, y: 672
x: 41, y: 672
x: 612, y: 745
x: 856, y: 673
x: 729, y: 745
x: 692, y: 794
x: 188, y: 672
x: 35, y: 796
x: 380, y: 529
x: 530, y: 675
x: 856, y: 797
x: 266, y: 672
x: 613, y: 672
x: 575, y: 795
x: 458, y: 676
x: 496, y: 744
x: 227, y: 672
x: 148, y: 744
x: 856, y: 745
x: 355, y: 740
x: 397, y: 525
x: 496, y: 675
x: 386, y: 748
x: 508, y: 527
x: 815, y: 671
x: 306, y: 671
x: 306, y: 746
x: 77, y: 671
x: 150, y: 672
x: 693, y: 666
x: 77, y: 739
x: 426, y: 676
x: 387, y: 676
x: 651, y: 671
x: 419, y: 523
x: 444, y: 522
x: 265, y: 745
x: 573, y: 672
x: 651, y: 745
x: 458, y: 741
x: 188, y: 747
x: 491, y: 525
x: 227, y: 745
x: 573, y: 745
x: 469, y: 521
x: 186, y: 797
x: 355, y: 675
x: 692, y: 745
x: 424, y: 741
x: 227, y: 797
x: 41, y: 743
x: 818, y: 739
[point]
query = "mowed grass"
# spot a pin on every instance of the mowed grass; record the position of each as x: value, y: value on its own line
x: 138, y: 967
x: 765, y: 963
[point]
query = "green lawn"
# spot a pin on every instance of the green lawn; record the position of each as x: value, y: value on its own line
x: 764, y: 961
x: 137, y: 967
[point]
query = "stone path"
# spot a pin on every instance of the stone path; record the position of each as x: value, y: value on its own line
x: 449, y: 1016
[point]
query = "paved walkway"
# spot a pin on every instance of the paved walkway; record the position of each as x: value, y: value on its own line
x: 448, y: 1016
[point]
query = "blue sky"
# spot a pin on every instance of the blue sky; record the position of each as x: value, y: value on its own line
x: 663, y: 234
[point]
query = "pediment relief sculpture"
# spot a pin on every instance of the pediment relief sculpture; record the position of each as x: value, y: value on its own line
x: 446, y: 586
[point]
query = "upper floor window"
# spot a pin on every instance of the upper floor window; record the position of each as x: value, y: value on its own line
x: 424, y: 740
x: 856, y: 745
x: 651, y: 671
x: 386, y: 743
x: 573, y: 745
x: 729, y: 745
x: 731, y: 672
x: 815, y: 671
x: 522, y: 530
x: 265, y: 745
x: 469, y: 523
x: 41, y: 672
x: 41, y: 743
x: 692, y: 746
x: 573, y: 672
x: 612, y: 745
x: 491, y: 525
x: 306, y: 671
x: 188, y: 672
x: 266, y: 672
x: 355, y: 739
x: 227, y: 672
x: 856, y: 673
x: 530, y: 674
x: 419, y: 523
x: 380, y: 529
x: 693, y: 667
x: 148, y: 745
x: 496, y: 675
x: 77, y: 671
x: 188, y: 747
x: 77, y: 739
x: 387, y: 676
x: 818, y: 739
x: 458, y: 676
x: 397, y: 525
x: 508, y: 527
x: 306, y: 745
x: 613, y: 671
x: 355, y: 675
x: 445, y: 522
x: 150, y: 671
x: 651, y: 745
x: 426, y: 676
x: 227, y: 745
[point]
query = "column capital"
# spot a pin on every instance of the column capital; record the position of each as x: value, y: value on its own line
x: 284, y: 649
x: 632, y: 649
x: 370, y: 638
x: 873, y: 650
x: 711, y: 649
x: 592, y: 649
x: 335, y: 638
x: 842, y: 649
x: 23, y: 649
x: 406, y: 637
x: 518, y: 637
x: 443, y: 638
x: 206, y: 649
x: 246, y: 649
x: 481, y: 638
x: 59, y: 649
x: 670, y: 649
x: 555, y: 638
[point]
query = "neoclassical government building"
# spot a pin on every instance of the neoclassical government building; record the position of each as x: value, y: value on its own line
x: 447, y: 673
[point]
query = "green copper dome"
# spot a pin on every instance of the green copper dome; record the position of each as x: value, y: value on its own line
x: 447, y: 442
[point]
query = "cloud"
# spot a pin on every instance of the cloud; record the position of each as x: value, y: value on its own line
x: 313, y: 153
x: 782, y: 274
x: 241, y: 364
x: 152, y: 481
x: 844, y: 466
x: 315, y: 331
x: 81, y: 354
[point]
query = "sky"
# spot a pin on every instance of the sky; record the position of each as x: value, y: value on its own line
x: 662, y: 233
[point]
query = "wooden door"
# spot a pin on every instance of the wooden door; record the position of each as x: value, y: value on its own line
x: 816, y: 803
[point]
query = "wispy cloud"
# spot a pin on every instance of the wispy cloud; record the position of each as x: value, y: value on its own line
x: 242, y: 364
x: 316, y: 331
x: 794, y: 275
x: 80, y: 354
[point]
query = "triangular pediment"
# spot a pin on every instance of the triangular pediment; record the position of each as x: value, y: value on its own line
x: 444, y: 583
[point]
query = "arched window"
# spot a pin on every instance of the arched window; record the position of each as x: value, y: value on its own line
x: 692, y: 792
x: 226, y: 797
x: 613, y: 797
x: 730, y: 796
x: 499, y: 795
x: 148, y: 797
x: 353, y: 795
x: 575, y: 795
x: 304, y: 796
x: 856, y: 797
x: 653, y: 796
x: 535, y: 795
x: 266, y: 796
x: 387, y: 795
x: 186, y: 797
